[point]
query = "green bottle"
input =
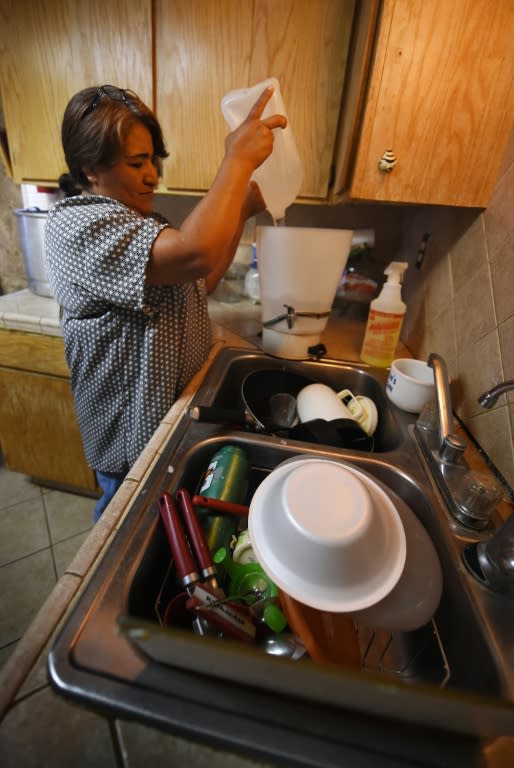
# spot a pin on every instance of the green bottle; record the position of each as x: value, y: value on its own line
x: 225, y: 478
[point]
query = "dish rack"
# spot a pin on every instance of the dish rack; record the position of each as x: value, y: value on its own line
x: 416, y: 656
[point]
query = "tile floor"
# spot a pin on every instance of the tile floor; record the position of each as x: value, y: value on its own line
x: 40, y: 531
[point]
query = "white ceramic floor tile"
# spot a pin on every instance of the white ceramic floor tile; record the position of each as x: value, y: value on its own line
x: 24, y: 586
x: 148, y: 746
x: 61, y: 736
x: 15, y: 487
x: 23, y: 530
x: 65, y: 551
x: 68, y: 514
x: 5, y: 652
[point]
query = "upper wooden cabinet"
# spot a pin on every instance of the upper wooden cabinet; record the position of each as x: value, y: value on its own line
x: 197, y: 53
x: 431, y: 81
x: 48, y: 52
x: 441, y: 98
x: 205, y: 49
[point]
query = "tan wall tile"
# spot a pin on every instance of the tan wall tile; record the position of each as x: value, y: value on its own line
x: 502, y: 276
x: 468, y: 276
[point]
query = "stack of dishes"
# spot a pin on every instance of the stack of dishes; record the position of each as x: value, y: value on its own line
x: 332, y: 539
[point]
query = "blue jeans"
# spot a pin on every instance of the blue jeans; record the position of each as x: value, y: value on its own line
x: 109, y: 483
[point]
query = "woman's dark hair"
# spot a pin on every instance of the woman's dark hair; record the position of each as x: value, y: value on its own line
x: 95, y: 126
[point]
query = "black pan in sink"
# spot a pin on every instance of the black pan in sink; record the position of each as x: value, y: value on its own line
x: 257, y: 390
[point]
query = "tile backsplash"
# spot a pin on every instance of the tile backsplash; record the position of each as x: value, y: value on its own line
x: 460, y: 303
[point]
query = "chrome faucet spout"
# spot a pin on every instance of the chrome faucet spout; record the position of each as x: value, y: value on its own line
x: 489, y: 398
x: 451, y: 447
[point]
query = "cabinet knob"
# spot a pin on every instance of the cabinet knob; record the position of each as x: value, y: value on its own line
x: 387, y: 161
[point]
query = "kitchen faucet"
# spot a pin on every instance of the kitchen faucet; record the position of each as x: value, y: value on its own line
x: 496, y: 555
x: 491, y: 560
x: 489, y: 398
x: 451, y: 446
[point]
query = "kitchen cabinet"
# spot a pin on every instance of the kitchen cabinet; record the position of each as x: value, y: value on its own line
x: 205, y: 49
x: 48, y: 52
x: 429, y: 80
x: 441, y: 98
x: 39, y: 434
x: 199, y: 51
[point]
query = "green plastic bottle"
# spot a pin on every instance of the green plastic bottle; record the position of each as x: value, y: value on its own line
x: 225, y: 478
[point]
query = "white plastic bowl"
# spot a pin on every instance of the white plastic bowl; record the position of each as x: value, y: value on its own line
x: 324, y: 538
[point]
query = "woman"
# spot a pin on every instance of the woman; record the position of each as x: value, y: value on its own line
x: 131, y: 287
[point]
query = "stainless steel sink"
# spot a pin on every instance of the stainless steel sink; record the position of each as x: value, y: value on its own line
x: 223, y: 386
x: 451, y: 682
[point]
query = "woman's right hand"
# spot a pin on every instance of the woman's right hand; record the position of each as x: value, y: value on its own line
x: 206, y: 242
x: 252, y: 141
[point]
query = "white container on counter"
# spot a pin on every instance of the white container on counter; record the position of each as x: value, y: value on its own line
x: 299, y: 268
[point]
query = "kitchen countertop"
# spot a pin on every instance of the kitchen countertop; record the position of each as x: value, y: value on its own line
x: 31, y: 714
x: 24, y: 311
x: 27, y: 704
x: 343, y: 335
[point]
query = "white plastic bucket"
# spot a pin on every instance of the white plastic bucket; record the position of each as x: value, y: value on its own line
x: 299, y: 267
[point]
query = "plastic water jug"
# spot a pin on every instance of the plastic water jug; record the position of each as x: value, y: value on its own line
x: 299, y: 269
x: 280, y: 175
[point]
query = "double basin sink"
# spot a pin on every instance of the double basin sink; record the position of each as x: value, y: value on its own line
x: 451, y: 681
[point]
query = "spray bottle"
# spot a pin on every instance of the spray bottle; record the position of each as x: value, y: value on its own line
x: 385, y: 319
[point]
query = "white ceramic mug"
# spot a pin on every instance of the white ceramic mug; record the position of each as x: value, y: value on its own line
x: 410, y: 384
x: 319, y: 401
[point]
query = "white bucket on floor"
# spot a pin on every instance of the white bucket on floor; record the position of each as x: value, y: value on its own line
x: 300, y: 268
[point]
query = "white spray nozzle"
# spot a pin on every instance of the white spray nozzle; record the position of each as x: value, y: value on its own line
x: 395, y: 271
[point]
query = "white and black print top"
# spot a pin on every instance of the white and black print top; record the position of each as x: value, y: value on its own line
x: 131, y: 348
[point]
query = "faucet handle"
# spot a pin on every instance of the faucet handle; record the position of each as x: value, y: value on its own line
x: 451, y: 449
x: 476, y: 496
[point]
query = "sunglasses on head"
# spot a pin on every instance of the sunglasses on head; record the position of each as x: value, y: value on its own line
x: 114, y: 94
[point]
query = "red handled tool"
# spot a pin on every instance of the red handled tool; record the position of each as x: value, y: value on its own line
x: 184, y: 562
x: 197, y: 538
x: 206, y: 600
x: 219, y: 505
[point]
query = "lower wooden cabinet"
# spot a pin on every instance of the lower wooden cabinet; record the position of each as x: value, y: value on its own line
x: 39, y: 434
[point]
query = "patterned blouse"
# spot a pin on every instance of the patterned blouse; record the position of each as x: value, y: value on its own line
x: 131, y: 348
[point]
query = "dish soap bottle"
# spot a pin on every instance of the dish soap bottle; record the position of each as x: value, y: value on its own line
x: 385, y: 319
x: 252, y: 285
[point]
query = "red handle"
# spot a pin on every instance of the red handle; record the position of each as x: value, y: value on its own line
x: 184, y: 563
x: 195, y: 533
x: 230, y: 507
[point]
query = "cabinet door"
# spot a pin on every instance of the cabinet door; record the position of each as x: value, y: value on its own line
x: 202, y: 50
x: 39, y: 433
x: 205, y: 49
x: 305, y: 45
x: 50, y: 50
x: 441, y: 99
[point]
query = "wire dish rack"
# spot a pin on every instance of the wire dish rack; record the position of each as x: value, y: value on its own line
x: 416, y: 656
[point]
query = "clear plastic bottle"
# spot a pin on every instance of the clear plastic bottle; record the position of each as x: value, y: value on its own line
x: 252, y: 284
x: 385, y: 319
